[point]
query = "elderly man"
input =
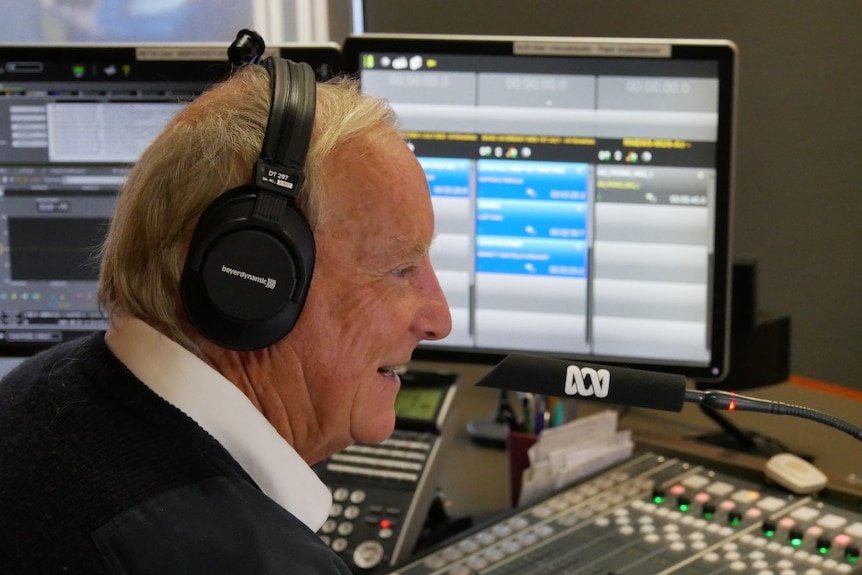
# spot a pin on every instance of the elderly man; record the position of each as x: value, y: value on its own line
x: 180, y: 441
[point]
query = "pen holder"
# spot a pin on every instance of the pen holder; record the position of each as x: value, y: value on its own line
x: 517, y: 444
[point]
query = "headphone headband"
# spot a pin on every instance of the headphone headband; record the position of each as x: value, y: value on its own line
x: 281, y: 167
x: 251, y: 257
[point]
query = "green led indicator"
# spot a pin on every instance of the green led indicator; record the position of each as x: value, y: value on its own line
x: 683, y: 507
x: 852, y: 557
x: 707, y: 515
x: 658, y: 499
x: 78, y: 71
x: 735, y: 521
x: 823, y: 550
x: 369, y: 61
x: 769, y: 533
x: 796, y: 541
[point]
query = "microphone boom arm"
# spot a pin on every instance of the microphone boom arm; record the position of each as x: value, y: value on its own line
x: 728, y: 401
x: 633, y: 388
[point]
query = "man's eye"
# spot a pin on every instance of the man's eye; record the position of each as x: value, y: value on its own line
x: 403, y: 272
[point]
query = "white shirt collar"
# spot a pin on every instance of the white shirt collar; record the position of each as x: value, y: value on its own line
x: 219, y: 407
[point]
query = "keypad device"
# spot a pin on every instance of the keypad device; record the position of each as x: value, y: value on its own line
x: 382, y: 492
x: 373, y: 488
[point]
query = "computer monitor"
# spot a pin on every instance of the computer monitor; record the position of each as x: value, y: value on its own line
x: 73, y: 120
x: 582, y: 191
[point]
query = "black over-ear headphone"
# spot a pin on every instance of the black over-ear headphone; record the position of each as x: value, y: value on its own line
x: 251, y: 257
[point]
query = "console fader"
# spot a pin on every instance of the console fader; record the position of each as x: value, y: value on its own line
x: 659, y: 515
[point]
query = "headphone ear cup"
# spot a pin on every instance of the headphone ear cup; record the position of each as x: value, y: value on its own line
x: 251, y: 256
x: 248, y: 269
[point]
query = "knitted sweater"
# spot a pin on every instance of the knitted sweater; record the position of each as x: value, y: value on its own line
x: 99, y: 475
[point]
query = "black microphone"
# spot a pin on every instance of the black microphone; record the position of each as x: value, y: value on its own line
x: 633, y: 388
x: 618, y: 385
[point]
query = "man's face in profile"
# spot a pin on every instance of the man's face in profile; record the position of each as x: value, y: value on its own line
x: 374, y: 295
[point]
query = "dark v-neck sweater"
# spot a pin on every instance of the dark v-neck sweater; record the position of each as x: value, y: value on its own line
x: 100, y: 475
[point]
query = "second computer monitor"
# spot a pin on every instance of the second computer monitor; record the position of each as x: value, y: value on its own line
x: 582, y: 191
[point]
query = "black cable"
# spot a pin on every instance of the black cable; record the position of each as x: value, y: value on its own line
x: 729, y: 401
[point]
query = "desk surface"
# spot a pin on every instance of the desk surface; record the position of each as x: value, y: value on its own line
x: 475, y: 481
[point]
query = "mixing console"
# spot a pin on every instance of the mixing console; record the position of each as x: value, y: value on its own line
x: 658, y: 515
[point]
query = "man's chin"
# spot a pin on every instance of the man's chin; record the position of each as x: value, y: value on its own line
x: 374, y: 432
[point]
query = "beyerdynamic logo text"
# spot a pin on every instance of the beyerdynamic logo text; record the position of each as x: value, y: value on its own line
x: 268, y: 283
x: 586, y: 381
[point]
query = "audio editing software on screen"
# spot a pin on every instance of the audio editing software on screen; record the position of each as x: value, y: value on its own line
x: 73, y: 120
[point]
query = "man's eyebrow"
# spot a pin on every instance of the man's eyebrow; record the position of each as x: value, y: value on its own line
x: 413, y: 247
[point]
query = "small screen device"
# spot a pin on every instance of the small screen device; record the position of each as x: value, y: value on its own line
x: 424, y: 400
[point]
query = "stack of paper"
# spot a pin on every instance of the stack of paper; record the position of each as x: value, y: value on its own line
x: 563, y: 455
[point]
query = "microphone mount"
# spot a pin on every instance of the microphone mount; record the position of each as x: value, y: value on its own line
x: 633, y: 388
x: 729, y: 401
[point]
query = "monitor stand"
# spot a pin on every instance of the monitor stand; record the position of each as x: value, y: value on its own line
x: 759, y: 356
x: 735, y: 438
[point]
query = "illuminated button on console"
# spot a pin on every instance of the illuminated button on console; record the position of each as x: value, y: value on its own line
x: 795, y: 536
x: 702, y: 497
x: 787, y: 523
x: 677, y: 490
x: 823, y: 544
x: 385, y: 531
x: 734, y: 518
